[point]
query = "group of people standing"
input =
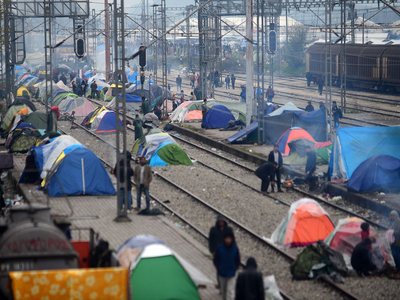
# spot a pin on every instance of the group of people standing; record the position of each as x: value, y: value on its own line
x: 226, y: 258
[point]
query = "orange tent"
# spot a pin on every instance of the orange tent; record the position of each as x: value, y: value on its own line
x: 306, y: 223
x: 188, y: 111
x: 292, y: 134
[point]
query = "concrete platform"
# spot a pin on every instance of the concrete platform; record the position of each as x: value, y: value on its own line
x: 99, y: 213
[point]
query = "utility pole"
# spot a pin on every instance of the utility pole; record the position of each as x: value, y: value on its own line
x: 48, y: 56
x: 107, y: 39
x: 119, y: 79
x: 249, y: 62
x: 164, y: 57
x: 155, y: 48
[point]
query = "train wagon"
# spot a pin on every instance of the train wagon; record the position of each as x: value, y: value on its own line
x: 365, y: 66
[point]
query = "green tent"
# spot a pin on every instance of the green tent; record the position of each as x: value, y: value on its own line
x: 9, y: 116
x: 158, y: 274
x: 37, y: 119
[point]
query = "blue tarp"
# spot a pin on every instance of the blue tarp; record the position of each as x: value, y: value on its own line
x: 377, y: 174
x: 242, y: 134
x: 217, y: 116
x: 313, y: 122
x: 79, y: 173
x: 354, y: 145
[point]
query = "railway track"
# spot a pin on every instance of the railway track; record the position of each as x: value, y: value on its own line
x: 204, y: 209
x: 347, y: 120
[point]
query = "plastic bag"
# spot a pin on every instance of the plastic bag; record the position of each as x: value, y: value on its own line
x: 271, y: 288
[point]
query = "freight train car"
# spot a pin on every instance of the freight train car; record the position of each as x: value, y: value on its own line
x: 366, y: 66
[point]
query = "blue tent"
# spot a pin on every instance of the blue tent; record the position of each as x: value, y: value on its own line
x: 217, y: 116
x: 79, y: 172
x: 376, y: 174
x: 106, y: 123
x: 354, y: 145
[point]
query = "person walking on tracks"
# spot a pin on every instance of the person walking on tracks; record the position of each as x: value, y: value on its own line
x: 270, y: 94
x: 233, y: 80
x: 320, y: 85
x: 143, y: 178
x: 250, y: 283
x: 93, y: 90
x: 275, y: 157
x: 178, y: 83
x: 227, y: 82
x: 337, y: 114
x: 227, y: 261
x: 216, y: 236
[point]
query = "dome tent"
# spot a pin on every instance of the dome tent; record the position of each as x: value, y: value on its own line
x: 217, y: 116
x: 78, y: 171
x: 306, y: 223
x: 157, y: 274
x: 292, y: 134
x: 376, y: 174
x: 346, y: 235
x: 160, y: 149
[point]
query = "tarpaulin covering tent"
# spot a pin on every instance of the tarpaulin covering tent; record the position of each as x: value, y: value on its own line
x: 133, y: 103
x: 10, y: 115
x: 81, y: 106
x: 188, y: 111
x: 37, y: 119
x: 313, y: 122
x: 160, y: 149
x: 354, y: 145
x: 218, y: 116
x: 99, y: 283
x: 159, y: 274
x: 246, y: 135
x: 306, y: 223
x: 379, y: 173
x: 346, y: 235
x: 77, y: 171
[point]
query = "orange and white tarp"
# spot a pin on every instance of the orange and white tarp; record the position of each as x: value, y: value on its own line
x: 85, y: 284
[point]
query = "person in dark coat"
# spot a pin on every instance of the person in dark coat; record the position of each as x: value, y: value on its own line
x: 216, y: 236
x: 311, y: 166
x: 320, y: 85
x: 309, y: 107
x: 129, y: 172
x: 138, y: 124
x: 266, y: 172
x: 337, y: 114
x: 227, y: 82
x: 93, y: 89
x: 361, y: 258
x: 233, y: 80
x: 275, y: 157
x: 250, y: 283
x: 227, y: 261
